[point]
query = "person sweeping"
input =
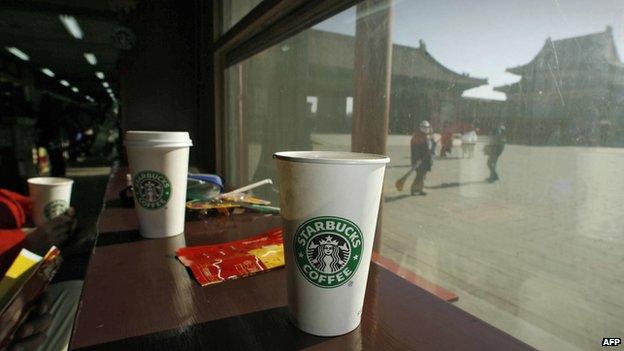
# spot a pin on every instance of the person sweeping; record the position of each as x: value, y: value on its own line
x: 422, y: 148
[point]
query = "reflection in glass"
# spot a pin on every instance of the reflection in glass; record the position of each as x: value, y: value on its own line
x: 234, y: 11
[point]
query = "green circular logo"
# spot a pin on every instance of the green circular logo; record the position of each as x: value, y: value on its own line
x: 151, y: 189
x: 328, y: 250
x: 55, y: 208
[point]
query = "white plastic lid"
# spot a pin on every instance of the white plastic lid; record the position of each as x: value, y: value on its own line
x: 50, y: 181
x: 137, y: 138
x: 336, y: 157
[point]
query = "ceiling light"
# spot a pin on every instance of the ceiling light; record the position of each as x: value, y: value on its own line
x: 109, y: 90
x: 99, y: 74
x: 48, y: 72
x: 75, y: 90
x: 90, y: 57
x: 72, y: 26
x: 17, y: 52
x: 64, y: 82
x: 105, y: 85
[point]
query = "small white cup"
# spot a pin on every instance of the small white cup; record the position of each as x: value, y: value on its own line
x: 329, y: 203
x: 50, y: 197
x: 158, y: 163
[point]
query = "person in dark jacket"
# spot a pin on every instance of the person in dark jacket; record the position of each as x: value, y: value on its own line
x: 494, y: 149
x: 422, y: 146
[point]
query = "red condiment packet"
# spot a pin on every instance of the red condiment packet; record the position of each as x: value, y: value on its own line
x: 215, y: 263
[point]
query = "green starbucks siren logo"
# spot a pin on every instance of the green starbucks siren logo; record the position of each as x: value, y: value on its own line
x: 328, y: 250
x: 151, y: 189
x: 55, y: 208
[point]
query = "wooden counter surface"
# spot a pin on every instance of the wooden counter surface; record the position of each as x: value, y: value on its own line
x: 137, y: 296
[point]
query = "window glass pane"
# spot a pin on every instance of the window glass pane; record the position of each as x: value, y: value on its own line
x: 295, y: 95
x: 523, y: 213
x: 233, y: 11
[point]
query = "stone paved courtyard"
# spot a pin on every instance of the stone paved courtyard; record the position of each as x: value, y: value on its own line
x: 539, y: 254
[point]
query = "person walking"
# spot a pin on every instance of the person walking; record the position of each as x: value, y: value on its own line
x: 446, y: 140
x: 469, y: 139
x: 494, y: 149
x: 422, y: 146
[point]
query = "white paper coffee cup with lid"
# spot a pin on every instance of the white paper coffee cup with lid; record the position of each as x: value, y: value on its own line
x: 158, y: 162
x: 329, y: 203
x: 50, y: 197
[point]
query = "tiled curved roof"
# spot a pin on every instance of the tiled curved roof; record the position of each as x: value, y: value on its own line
x: 576, y: 52
x: 337, y: 51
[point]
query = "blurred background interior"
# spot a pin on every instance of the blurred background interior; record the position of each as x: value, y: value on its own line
x: 58, y: 84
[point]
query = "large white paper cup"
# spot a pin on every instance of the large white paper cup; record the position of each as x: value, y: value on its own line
x: 158, y: 163
x: 329, y: 203
x: 50, y: 197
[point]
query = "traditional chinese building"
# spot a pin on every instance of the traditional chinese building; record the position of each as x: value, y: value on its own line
x: 571, y: 92
x: 421, y: 89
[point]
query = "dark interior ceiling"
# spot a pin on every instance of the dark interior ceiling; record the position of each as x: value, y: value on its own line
x: 34, y: 27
